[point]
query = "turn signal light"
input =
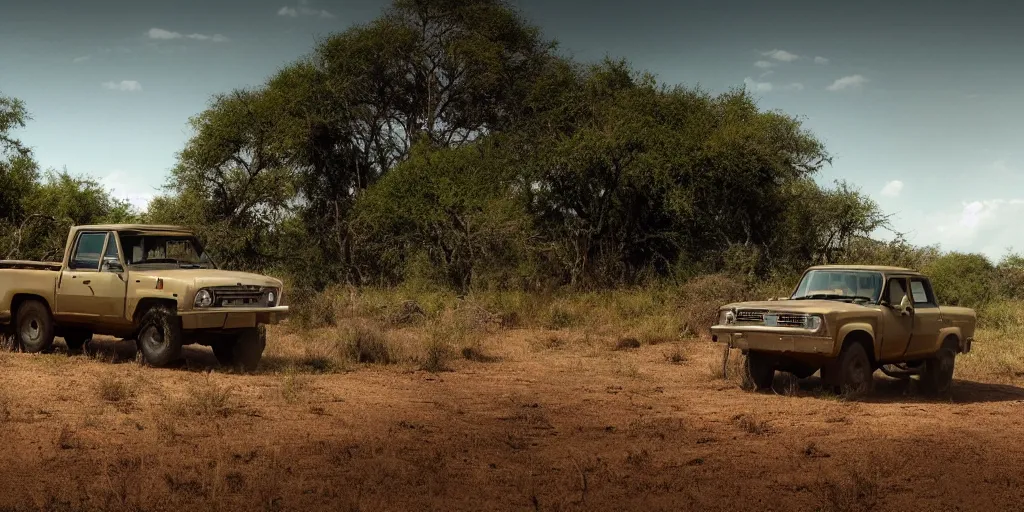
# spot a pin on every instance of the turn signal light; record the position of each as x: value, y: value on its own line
x: 159, y: 284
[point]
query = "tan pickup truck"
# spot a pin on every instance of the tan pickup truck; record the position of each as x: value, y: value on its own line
x: 848, y: 321
x: 153, y: 284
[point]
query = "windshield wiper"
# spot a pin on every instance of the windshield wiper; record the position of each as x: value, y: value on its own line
x: 833, y: 296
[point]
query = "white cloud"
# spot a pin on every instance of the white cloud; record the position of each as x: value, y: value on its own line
x: 166, y: 35
x: 763, y: 64
x: 821, y: 60
x: 795, y: 86
x: 756, y: 86
x: 988, y: 226
x: 766, y: 74
x: 159, y: 33
x: 303, y: 9
x: 892, y: 189
x: 123, y: 85
x: 83, y: 58
x: 781, y: 55
x: 847, y: 82
x: 120, y: 186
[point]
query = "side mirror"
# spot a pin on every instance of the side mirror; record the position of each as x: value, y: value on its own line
x: 112, y: 265
x: 906, y: 307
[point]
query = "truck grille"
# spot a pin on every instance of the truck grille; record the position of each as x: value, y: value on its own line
x: 237, y: 296
x: 790, y: 320
x: 757, y: 317
x: 750, y: 316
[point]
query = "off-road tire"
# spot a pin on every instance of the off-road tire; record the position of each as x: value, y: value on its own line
x: 160, y: 337
x: 76, y: 340
x: 34, y: 327
x: 758, y: 372
x: 856, y: 375
x: 244, y: 351
x: 938, y: 371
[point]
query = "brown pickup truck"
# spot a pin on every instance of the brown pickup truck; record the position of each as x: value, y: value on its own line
x: 847, y: 322
x: 153, y: 284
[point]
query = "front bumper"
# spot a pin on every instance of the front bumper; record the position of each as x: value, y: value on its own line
x: 231, y: 318
x: 773, y: 339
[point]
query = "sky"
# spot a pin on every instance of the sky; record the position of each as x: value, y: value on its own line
x: 920, y: 103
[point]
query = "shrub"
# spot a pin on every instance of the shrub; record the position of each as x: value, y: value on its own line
x: 963, y: 279
x: 703, y: 296
x: 366, y: 344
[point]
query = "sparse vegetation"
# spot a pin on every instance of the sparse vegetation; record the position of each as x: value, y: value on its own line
x: 751, y: 424
x: 118, y: 390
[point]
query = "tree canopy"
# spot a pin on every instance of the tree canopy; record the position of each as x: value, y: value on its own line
x: 450, y: 141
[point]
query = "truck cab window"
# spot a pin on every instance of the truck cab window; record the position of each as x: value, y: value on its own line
x: 921, y: 293
x: 897, y: 291
x: 87, y: 252
x: 111, y: 249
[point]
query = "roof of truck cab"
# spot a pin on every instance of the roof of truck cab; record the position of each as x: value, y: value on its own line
x: 873, y: 268
x: 134, y: 227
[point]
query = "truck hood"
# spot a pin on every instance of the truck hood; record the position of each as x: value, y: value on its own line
x: 210, y: 277
x: 800, y: 306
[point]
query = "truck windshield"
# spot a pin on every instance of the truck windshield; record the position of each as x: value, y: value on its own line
x: 180, y: 251
x: 845, y: 285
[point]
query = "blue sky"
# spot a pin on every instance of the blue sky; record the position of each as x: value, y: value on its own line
x: 919, y: 103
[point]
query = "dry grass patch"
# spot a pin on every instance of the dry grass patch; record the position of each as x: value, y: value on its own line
x: 207, y: 398
x: 364, y: 343
x: 118, y: 390
x: 627, y: 343
x: 859, y: 491
x: 996, y: 354
x: 295, y: 387
x: 751, y: 424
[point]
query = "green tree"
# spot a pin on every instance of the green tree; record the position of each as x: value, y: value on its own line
x: 962, y: 279
x: 453, y: 207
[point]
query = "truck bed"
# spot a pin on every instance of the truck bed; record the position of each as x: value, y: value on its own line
x: 32, y: 265
x: 37, y: 278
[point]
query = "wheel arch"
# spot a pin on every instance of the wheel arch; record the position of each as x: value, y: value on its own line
x: 149, y: 303
x: 20, y: 298
x: 864, y: 338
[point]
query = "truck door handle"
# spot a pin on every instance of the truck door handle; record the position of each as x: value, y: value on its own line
x: 86, y: 281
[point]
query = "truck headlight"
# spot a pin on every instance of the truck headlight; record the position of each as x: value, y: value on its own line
x: 204, y: 299
x: 726, y: 318
x: 813, y: 322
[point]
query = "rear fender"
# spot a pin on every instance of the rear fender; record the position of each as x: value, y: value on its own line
x: 946, y: 332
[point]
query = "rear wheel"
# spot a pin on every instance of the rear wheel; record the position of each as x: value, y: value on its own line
x: 244, y: 351
x: 34, y: 327
x: 758, y: 371
x: 938, y: 371
x: 160, y: 336
x: 856, y: 373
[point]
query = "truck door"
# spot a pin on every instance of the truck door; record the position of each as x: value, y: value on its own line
x: 896, y: 328
x: 926, y: 319
x: 89, y: 291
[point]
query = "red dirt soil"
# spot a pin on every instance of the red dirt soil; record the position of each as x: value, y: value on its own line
x: 571, y: 428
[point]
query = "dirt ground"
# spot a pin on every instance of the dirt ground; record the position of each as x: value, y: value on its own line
x: 548, y: 425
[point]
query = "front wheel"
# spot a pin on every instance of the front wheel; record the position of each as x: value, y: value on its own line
x: 160, y: 337
x: 34, y: 327
x: 856, y: 373
x: 244, y: 351
x: 758, y: 371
